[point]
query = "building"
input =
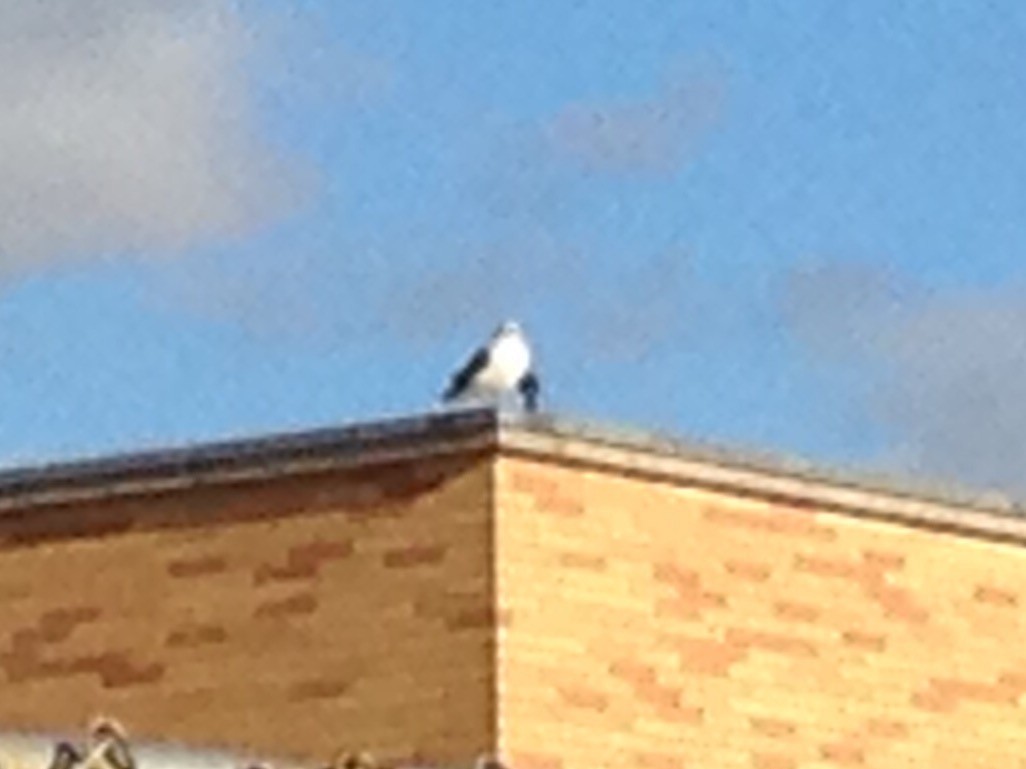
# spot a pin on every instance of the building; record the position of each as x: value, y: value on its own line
x: 566, y: 596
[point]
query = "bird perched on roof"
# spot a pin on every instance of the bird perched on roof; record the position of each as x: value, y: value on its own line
x: 500, y: 367
x: 108, y: 746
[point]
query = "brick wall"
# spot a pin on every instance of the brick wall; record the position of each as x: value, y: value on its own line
x: 516, y: 594
x: 654, y: 626
x: 293, y: 616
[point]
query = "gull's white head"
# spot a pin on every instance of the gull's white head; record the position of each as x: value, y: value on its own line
x: 509, y: 328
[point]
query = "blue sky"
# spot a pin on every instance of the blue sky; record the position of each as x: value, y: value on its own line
x: 789, y: 225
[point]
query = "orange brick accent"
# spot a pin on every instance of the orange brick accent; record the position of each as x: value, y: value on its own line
x: 727, y: 631
x: 293, y: 617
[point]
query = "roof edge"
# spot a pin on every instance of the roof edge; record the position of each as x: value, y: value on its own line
x: 271, y: 456
x: 543, y: 436
x: 771, y: 477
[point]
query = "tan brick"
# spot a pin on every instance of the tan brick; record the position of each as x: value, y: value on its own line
x: 569, y: 617
x: 863, y: 640
x: 246, y: 606
x: 995, y: 596
x: 773, y: 761
x: 414, y: 555
x: 756, y: 572
x: 844, y: 754
x: 196, y: 567
x: 799, y: 612
x: 196, y: 635
x: 829, y: 627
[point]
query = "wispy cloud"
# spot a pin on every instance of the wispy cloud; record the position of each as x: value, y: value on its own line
x: 649, y: 136
x: 127, y: 126
x: 840, y: 309
x: 506, y: 242
x: 947, y: 370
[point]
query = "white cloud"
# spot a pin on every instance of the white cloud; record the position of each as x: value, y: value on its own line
x: 126, y: 126
x: 955, y: 372
x: 947, y: 371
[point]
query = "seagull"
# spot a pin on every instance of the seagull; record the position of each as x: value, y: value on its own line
x: 109, y: 747
x: 64, y: 756
x: 501, y: 366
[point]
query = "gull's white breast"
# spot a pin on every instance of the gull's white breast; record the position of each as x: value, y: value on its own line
x: 508, y: 361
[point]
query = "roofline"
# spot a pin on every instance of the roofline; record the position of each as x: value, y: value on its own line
x: 540, y: 436
x: 770, y: 477
x: 263, y: 457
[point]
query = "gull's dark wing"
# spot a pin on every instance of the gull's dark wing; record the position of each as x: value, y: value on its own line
x: 530, y: 388
x: 461, y: 379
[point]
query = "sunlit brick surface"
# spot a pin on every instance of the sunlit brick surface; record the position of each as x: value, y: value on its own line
x: 293, y: 617
x: 535, y: 591
x: 648, y: 625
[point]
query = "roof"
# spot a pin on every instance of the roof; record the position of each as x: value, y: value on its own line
x: 547, y: 437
